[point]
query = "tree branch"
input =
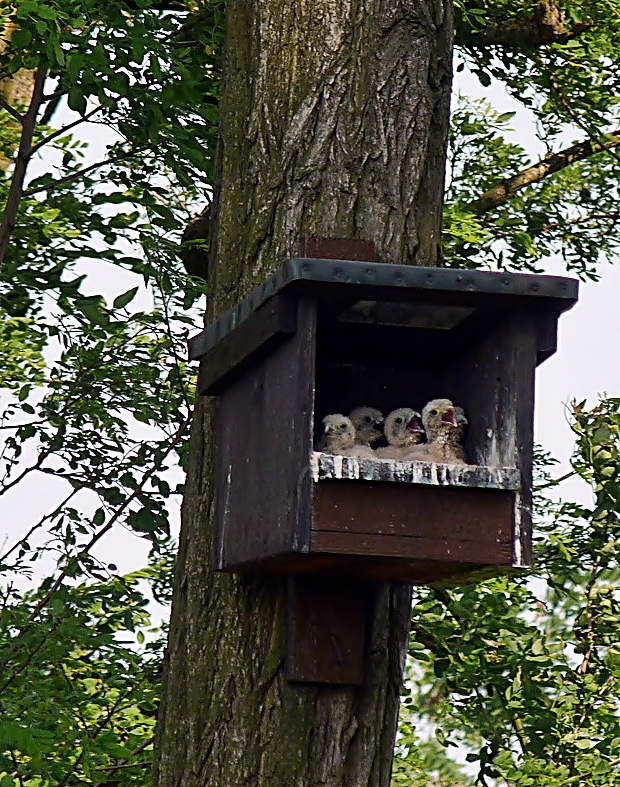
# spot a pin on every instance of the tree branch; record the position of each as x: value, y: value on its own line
x: 21, y: 164
x: 547, y: 25
x: 556, y: 481
x: 13, y: 112
x: 25, y: 664
x: 4, y: 557
x: 593, y: 135
x: 503, y: 191
x: 74, y: 175
x: 98, y: 535
x: 611, y: 216
x: 64, y: 129
x: 125, y: 763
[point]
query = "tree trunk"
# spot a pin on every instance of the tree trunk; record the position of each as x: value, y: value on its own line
x: 334, y: 122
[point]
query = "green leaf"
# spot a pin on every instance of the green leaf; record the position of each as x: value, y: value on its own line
x: 77, y: 100
x: 123, y: 300
x: 25, y: 8
x: 93, y: 308
x: 21, y: 38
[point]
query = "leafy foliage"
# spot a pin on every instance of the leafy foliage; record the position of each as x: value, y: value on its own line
x: 524, y: 673
x: 96, y: 389
x: 559, y: 61
x: 78, y: 704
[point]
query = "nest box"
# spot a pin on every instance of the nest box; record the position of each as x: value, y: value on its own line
x: 333, y: 330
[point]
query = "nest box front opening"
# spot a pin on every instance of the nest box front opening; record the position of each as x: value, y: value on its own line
x: 389, y: 355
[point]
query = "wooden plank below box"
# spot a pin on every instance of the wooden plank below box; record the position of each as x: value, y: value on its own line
x: 326, y: 630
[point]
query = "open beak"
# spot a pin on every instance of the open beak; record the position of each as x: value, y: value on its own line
x: 415, y: 425
x: 449, y: 418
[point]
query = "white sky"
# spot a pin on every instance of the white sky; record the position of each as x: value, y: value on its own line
x: 585, y: 364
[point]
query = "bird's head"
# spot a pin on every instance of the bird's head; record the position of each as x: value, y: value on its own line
x: 367, y: 422
x: 403, y: 427
x: 460, y: 416
x: 439, y: 416
x: 338, y: 431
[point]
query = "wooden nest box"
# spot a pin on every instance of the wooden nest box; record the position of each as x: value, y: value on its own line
x: 326, y: 335
x: 330, y: 331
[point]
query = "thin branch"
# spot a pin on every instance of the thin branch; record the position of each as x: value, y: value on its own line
x: 611, y: 216
x: 64, y: 130
x: 24, y: 152
x: 124, y: 763
x: 169, y: 328
x: 19, y: 426
x: 547, y: 25
x: 105, y: 529
x: 515, y: 721
x: 145, y: 764
x: 16, y: 766
x: 581, y: 776
x: 503, y: 191
x: 17, y: 115
x: 78, y: 712
x: 75, y: 175
x: 31, y: 654
x: 489, y: 720
x: 80, y: 757
x: 54, y: 96
x: 39, y: 524
x: 556, y: 481
x: 36, y: 466
x: 596, y: 138
x: 590, y: 633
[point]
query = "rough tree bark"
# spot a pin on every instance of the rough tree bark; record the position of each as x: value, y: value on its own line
x: 334, y: 122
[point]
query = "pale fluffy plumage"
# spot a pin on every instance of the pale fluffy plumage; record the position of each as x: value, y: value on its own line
x: 443, y: 433
x: 402, y: 430
x: 455, y: 437
x: 367, y: 422
x: 339, y: 437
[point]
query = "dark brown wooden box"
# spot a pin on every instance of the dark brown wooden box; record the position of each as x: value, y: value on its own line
x: 324, y: 336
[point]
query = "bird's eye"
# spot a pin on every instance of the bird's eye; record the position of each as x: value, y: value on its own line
x: 434, y: 412
x: 342, y: 427
x: 367, y: 419
x: 398, y: 420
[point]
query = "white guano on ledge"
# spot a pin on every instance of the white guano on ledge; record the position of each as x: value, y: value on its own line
x: 335, y: 467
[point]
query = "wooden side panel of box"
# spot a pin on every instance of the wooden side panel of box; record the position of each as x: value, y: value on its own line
x: 263, y: 484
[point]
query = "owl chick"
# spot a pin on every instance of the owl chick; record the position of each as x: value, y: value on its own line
x: 443, y: 432
x: 367, y: 422
x: 455, y: 437
x: 339, y: 437
x: 402, y: 430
